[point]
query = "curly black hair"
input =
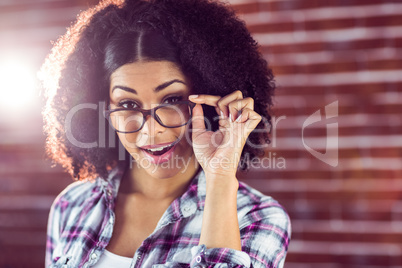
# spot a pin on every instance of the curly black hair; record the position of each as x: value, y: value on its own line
x: 208, y: 42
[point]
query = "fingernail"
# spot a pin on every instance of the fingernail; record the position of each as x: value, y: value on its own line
x: 193, y: 96
x: 222, y: 115
x: 238, y: 119
x: 230, y: 117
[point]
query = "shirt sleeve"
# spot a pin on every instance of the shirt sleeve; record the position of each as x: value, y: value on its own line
x: 264, y: 243
x: 53, y: 231
x: 218, y: 257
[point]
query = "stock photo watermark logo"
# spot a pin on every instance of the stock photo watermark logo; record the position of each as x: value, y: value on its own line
x: 101, y: 141
x: 270, y: 160
x: 330, y: 156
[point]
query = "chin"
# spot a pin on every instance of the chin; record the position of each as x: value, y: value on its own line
x: 162, y: 173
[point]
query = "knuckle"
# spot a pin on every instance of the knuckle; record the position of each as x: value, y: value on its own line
x: 222, y: 101
x: 250, y: 100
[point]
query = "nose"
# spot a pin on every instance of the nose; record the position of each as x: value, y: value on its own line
x: 151, y: 126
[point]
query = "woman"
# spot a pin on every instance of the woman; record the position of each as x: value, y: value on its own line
x: 152, y: 105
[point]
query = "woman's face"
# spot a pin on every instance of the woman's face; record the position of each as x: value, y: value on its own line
x: 146, y: 85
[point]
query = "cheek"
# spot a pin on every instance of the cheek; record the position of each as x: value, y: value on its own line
x: 184, y: 134
x: 128, y: 141
x: 186, y: 140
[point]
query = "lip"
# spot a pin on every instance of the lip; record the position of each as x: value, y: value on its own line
x: 158, y: 159
x: 152, y: 146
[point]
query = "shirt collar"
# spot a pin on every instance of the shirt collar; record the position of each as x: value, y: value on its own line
x: 110, y: 185
x: 183, y: 206
x: 188, y: 203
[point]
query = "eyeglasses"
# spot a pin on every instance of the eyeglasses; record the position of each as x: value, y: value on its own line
x: 170, y: 115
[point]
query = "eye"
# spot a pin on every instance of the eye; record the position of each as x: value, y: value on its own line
x: 173, y: 99
x: 127, y: 104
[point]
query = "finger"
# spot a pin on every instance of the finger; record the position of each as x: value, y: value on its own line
x: 211, y: 100
x: 238, y: 131
x: 250, y: 119
x: 217, y: 101
x: 236, y: 107
x: 224, y: 101
x: 198, y: 119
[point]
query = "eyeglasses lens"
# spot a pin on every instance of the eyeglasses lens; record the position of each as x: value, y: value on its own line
x: 174, y: 115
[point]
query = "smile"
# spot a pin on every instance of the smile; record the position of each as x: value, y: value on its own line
x: 160, y: 150
x: 159, y: 153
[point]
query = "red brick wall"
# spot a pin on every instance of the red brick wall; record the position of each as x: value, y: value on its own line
x: 325, y: 51
x: 349, y: 215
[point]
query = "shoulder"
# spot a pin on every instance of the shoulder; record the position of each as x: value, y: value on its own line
x: 83, y: 197
x: 264, y: 227
x: 77, y: 192
x: 73, y: 201
x: 254, y: 206
x: 80, y: 193
x: 75, y: 218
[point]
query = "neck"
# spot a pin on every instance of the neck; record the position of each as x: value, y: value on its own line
x: 139, y: 182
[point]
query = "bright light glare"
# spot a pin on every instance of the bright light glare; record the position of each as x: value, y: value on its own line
x: 17, y: 86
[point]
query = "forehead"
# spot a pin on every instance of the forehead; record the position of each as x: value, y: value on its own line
x: 146, y: 72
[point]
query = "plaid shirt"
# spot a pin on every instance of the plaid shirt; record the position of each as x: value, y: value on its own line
x: 82, y: 217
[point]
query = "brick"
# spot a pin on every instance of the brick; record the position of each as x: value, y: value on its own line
x: 325, y: 173
x: 334, y: 67
x: 26, y: 237
x: 32, y: 219
x: 39, y: 183
x: 347, y: 231
x: 370, y: 43
x: 272, y: 27
x: 243, y: 8
x: 29, y: 6
x: 363, y: 88
x: 308, y: 4
x: 23, y: 256
x: 381, y: 20
x: 344, y: 254
x: 23, y: 202
x: 391, y: 152
x: 288, y: 24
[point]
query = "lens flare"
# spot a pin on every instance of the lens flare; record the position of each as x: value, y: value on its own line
x: 17, y: 87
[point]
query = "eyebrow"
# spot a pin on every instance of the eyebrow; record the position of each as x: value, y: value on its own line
x: 157, y: 89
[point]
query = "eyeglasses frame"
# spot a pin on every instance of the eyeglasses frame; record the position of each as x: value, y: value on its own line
x: 151, y: 112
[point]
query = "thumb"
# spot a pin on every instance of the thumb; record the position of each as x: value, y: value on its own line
x: 197, y: 120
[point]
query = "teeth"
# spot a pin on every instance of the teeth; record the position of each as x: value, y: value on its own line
x: 159, y: 149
